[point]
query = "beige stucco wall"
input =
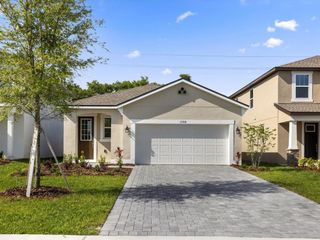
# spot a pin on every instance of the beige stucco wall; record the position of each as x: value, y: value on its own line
x: 195, y: 105
x: 264, y: 112
x: 285, y: 86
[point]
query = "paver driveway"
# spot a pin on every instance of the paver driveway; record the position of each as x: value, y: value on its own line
x: 211, y: 201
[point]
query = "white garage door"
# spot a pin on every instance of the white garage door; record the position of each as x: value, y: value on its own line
x: 181, y: 144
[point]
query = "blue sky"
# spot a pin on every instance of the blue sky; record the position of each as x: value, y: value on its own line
x: 224, y: 39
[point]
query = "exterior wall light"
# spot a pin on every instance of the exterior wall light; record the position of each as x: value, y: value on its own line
x: 238, y: 131
x: 127, y: 129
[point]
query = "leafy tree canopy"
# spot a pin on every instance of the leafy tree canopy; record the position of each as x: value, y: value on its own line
x: 43, y: 43
x: 185, y: 76
x: 94, y: 87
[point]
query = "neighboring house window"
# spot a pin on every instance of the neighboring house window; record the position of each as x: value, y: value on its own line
x: 251, y: 98
x: 302, y: 86
x: 106, y: 128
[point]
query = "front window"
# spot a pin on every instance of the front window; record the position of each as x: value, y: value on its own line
x: 106, y: 128
x: 302, y: 86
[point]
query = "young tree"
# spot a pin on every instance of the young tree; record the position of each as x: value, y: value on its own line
x: 42, y: 45
x: 259, y: 139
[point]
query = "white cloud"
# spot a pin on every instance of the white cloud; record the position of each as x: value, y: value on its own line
x: 166, y: 71
x: 271, y: 29
x: 184, y: 16
x: 134, y: 54
x: 243, y: 2
x: 242, y: 50
x: 273, y: 42
x: 257, y: 44
x: 314, y: 18
x: 288, y: 25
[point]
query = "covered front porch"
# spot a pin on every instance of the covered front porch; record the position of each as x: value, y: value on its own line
x: 94, y: 133
x: 299, y: 131
x: 303, y: 138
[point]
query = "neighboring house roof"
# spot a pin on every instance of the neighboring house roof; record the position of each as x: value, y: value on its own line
x: 125, y: 97
x: 311, y: 63
x: 299, y: 108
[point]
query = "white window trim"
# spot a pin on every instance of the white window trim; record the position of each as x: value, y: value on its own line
x: 91, y: 136
x: 293, y: 97
x: 102, y: 138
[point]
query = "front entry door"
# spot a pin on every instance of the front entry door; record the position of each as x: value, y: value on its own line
x: 311, y: 140
x: 85, y: 143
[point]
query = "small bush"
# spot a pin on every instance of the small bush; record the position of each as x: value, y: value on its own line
x: 67, y: 159
x: 75, y: 159
x: 1, y: 154
x: 102, y: 162
x: 97, y: 168
x: 309, y: 163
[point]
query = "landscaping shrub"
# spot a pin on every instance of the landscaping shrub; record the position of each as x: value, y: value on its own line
x: 102, y: 160
x: 75, y: 159
x: 67, y: 160
x: 309, y: 163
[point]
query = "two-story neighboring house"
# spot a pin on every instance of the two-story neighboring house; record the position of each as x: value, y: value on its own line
x: 286, y: 98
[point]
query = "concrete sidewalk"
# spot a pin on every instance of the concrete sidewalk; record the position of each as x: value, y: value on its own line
x: 70, y: 237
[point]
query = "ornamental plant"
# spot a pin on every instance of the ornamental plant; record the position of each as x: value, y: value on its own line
x: 119, y: 155
x: 259, y: 139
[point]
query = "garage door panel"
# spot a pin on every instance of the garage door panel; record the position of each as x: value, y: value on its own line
x: 181, y: 144
x: 198, y: 149
x: 187, y: 159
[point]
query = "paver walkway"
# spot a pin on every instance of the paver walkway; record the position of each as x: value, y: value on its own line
x: 170, y: 200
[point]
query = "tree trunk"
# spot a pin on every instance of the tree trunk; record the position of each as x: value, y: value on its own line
x: 37, y: 125
x: 32, y: 160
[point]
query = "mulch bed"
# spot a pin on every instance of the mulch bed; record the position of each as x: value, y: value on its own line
x: 3, y: 162
x: 41, y: 192
x: 77, y: 170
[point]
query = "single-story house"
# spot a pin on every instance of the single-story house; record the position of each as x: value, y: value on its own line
x: 181, y: 122
x: 16, y: 136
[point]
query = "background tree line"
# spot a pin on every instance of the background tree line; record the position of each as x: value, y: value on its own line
x: 94, y: 87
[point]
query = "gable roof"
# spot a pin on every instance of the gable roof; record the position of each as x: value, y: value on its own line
x: 125, y: 97
x: 311, y: 63
x: 115, y: 98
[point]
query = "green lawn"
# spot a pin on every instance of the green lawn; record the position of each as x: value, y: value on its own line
x: 82, y: 212
x: 303, y: 182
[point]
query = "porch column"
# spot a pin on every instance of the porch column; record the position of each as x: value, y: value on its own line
x: 292, y: 153
x: 10, y: 132
x: 293, y: 143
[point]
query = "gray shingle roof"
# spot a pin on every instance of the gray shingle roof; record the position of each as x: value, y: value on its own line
x: 116, y: 98
x: 292, y: 108
x: 312, y: 62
